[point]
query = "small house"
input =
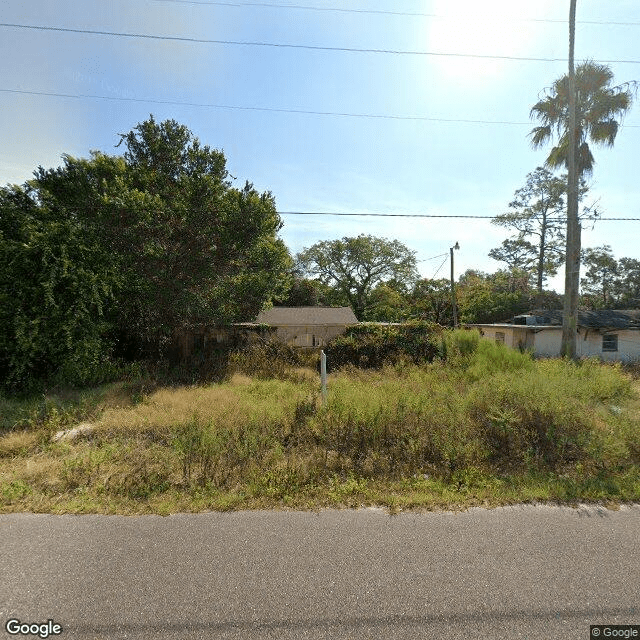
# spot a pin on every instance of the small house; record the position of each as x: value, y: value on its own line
x: 307, y: 327
x: 612, y: 335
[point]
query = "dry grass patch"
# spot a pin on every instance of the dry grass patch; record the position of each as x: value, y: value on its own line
x: 239, y: 401
x: 490, y: 427
x: 18, y: 443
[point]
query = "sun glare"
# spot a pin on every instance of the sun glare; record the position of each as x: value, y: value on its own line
x: 487, y: 28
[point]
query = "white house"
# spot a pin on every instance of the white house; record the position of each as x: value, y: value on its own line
x: 307, y: 326
x: 607, y: 334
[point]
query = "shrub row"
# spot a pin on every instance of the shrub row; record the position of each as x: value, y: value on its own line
x: 370, y: 346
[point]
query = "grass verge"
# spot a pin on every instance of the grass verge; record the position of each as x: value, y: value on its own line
x: 487, y: 427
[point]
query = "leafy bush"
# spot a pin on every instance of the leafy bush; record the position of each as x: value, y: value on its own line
x: 199, y: 445
x: 491, y: 357
x: 269, y: 359
x: 465, y: 350
x: 458, y: 345
x: 404, y: 427
x: 56, y: 290
x: 374, y: 345
x: 503, y: 411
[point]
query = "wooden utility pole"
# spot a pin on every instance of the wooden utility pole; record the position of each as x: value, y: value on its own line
x: 572, y: 263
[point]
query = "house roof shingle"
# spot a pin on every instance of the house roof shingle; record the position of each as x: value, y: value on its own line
x: 307, y: 316
x: 613, y: 318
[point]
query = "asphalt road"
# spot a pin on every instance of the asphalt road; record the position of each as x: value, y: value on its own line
x: 516, y: 572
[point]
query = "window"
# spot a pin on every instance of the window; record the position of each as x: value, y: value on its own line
x: 610, y: 342
x: 500, y: 337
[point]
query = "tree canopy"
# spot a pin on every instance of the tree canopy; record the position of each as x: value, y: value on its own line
x: 537, y: 215
x: 494, y: 297
x: 581, y: 106
x: 609, y: 283
x: 355, y: 266
x: 57, y: 287
x: 431, y: 301
x: 128, y: 249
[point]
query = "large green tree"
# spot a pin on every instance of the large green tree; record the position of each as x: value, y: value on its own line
x: 387, y: 304
x: 485, y: 298
x: 56, y: 288
x: 122, y: 251
x: 627, y: 284
x: 191, y: 248
x: 537, y: 216
x: 610, y: 283
x: 355, y: 266
x: 302, y: 293
x: 431, y: 301
x: 601, y: 273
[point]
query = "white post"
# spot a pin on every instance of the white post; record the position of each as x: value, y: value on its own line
x: 323, y: 375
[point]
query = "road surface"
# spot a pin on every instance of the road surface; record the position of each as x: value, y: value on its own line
x: 515, y: 572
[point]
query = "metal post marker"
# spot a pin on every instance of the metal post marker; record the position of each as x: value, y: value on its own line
x: 453, y: 289
x: 323, y: 375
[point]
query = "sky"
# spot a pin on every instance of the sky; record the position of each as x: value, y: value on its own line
x: 433, y: 119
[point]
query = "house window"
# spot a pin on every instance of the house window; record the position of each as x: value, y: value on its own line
x: 500, y: 337
x: 610, y: 342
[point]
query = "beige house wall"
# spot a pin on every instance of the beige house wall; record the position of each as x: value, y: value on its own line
x: 545, y: 342
x: 508, y: 335
x: 309, y: 335
x: 590, y: 344
x: 198, y: 341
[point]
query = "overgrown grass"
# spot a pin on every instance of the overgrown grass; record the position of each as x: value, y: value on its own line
x: 271, y: 359
x: 485, y: 426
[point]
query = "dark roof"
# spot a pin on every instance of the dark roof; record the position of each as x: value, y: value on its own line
x: 281, y: 316
x: 613, y: 318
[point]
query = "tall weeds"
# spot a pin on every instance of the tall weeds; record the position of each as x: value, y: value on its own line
x: 480, y: 409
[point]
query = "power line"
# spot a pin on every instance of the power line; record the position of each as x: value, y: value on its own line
x: 433, y: 257
x: 76, y: 208
x: 382, y: 12
x: 300, y: 6
x: 375, y: 215
x: 381, y: 215
x: 377, y: 116
x: 433, y: 277
x: 293, y: 46
x: 429, y: 215
x: 268, y: 109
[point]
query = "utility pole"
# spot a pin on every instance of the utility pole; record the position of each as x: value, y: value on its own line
x: 454, y: 306
x: 572, y: 263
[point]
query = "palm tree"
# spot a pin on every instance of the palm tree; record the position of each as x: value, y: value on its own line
x: 598, y: 108
x: 584, y: 103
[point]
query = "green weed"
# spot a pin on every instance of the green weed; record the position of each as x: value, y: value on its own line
x: 487, y: 426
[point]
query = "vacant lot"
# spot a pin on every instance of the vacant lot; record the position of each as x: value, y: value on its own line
x: 486, y: 426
